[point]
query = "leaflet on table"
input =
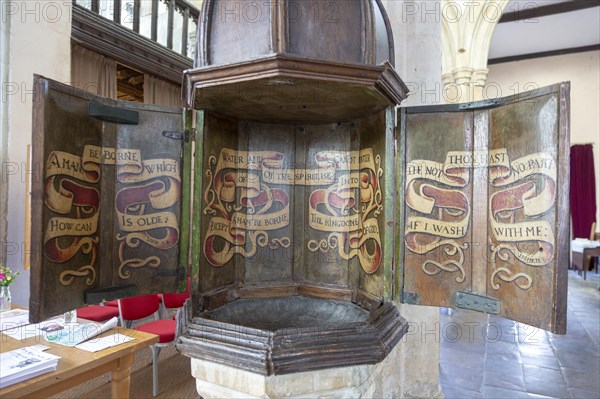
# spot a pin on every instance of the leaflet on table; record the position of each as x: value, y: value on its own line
x: 95, y: 345
x: 24, y: 363
x: 75, y: 333
x: 16, y: 326
x: 13, y: 318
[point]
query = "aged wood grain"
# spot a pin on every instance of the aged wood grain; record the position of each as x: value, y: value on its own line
x: 518, y: 244
x: 435, y: 266
x: 257, y: 229
x: 525, y: 128
x: 479, y: 233
x: 357, y: 31
x: 286, y: 89
x: 106, y: 198
x: 290, y: 350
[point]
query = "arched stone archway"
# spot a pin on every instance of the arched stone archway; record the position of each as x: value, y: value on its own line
x: 467, y: 28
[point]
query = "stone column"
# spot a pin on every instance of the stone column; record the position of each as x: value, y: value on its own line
x: 467, y: 28
x: 417, y: 41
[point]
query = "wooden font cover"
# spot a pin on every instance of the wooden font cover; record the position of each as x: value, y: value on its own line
x: 482, y: 205
x: 302, y: 183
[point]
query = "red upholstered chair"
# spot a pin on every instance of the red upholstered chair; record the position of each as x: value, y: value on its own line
x: 174, y: 300
x: 142, y: 307
x: 114, y: 303
x: 97, y: 313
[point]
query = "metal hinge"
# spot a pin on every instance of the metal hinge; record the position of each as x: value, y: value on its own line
x: 479, y: 303
x: 177, y: 135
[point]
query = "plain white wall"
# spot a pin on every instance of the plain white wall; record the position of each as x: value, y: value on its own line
x: 582, y: 70
x: 40, y: 43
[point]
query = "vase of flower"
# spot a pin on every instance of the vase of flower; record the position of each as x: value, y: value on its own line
x: 7, y: 276
x: 5, y: 299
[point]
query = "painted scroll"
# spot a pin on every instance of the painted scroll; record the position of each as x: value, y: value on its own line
x: 70, y: 193
x: 440, y: 212
x: 347, y: 210
x: 524, y: 191
x: 143, y: 208
x: 247, y: 198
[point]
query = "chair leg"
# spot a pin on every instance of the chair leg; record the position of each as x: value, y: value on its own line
x: 155, y: 353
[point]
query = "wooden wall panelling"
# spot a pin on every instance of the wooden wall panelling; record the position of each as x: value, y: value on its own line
x: 373, y: 177
x: 270, y: 203
x: 327, y: 145
x: 219, y: 133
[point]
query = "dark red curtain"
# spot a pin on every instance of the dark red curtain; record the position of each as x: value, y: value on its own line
x: 583, y: 190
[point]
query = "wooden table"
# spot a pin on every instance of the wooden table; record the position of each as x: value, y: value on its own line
x: 580, y: 259
x: 77, y: 366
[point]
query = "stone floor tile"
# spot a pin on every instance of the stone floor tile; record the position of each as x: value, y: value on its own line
x: 549, y: 362
x: 547, y: 384
x: 506, y: 356
x: 575, y: 347
x: 501, y: 333
x: 581, y: 394
x: 453, y: 392
x: 501, y: 347
x: 490, y: 392
x: 542, y: 373
x: 463, y: 378
x: 580, y: 360
x: 573, y: 335
x: 536, y: 396
x: 470, y: 360
x: 582, y: 380
x: 504, y: 380
x: 497, y: 365
x: 536, y: 350
x: 466, y: 345
x: 526, y: 357
x: 533, y: 335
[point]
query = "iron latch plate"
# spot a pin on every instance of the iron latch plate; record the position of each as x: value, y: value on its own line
x: 479, y: 303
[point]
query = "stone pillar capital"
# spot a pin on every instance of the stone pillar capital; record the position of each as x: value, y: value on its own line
x: 462, y: 75
x: 479, y: 76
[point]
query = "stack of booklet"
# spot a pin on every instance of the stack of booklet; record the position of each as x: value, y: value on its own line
x: 13, y: 319
x: 24, y: 363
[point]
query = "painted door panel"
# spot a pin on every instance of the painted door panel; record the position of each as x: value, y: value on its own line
x: 485, y: 220
x: 106, y: 199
